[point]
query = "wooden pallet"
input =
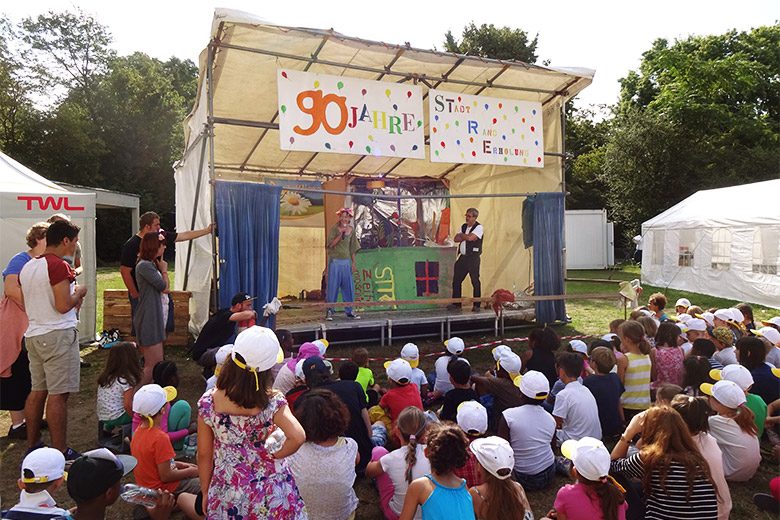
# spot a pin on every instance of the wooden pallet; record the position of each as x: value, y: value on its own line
x: 116, y: 315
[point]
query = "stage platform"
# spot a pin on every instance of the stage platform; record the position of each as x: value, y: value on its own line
x: 392, y: 325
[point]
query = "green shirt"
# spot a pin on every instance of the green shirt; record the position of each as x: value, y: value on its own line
x: 758, y: 407
x: 345, y: 248
x: 366, y: 378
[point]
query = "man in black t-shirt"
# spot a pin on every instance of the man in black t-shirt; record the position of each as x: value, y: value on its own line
x: 148, y: 223
x: 221, y: 329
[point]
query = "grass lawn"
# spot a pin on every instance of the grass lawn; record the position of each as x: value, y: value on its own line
x: 588, y: 317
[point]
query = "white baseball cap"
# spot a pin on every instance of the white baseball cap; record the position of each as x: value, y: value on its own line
x: 685, y: 318
x: 455, y: 345
x: 772, y: 321
x: 322, y: 344
x: 499, y: 350
x: 43, y: 465
x: 727, y: 393
x: 707, y: 317
x: 609, y: 336
x: 411, y: 353
x: 770, y: 333
x: 149, y: 399
x: 495, y: 455
x: 696, y: 324
x: 299, y: 370
x: 590, y: 457
x: 533, y: 385
x: 472, y: 417
x: 737, y: 315
x: 683, y: 302
x: 577, y: 345
x: 258, y: 349
x: 222, y: 354
x: 724, y: 314
x: 510, y: 362
x: 399, y: 370
x: 736, y: 373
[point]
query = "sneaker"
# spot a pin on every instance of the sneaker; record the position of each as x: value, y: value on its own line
x: 766, y: 502
x: 19, y: 433
x: 563, y: 466
x: 71, y: 454
x: 329, y: 315
x: 353, y: 316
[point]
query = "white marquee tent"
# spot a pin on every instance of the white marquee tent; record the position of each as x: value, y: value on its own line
x: 232, y: 133
x: 27, y: 198
x: 724, y: 242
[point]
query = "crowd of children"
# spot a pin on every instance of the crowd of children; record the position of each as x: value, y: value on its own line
x: 682, y: 400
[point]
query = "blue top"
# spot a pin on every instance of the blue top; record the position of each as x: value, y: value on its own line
x: 446, y: 503
x: 16, y: 263
x: 765, y: 384
x: 607, y: 390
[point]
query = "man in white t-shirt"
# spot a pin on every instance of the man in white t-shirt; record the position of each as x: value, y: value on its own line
x: 576, y: 412
x: 469, y: 242
x: 51, y: 300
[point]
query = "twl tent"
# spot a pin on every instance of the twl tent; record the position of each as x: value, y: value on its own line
x: 27, y: 198
x: 724, y: 242
x: 233, y: 136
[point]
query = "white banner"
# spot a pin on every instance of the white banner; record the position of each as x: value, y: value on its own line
x: 338, y: 114
x: 484, y: 130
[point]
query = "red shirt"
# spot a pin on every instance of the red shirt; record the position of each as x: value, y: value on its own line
x: 151, y: 446
x: 398, y: 398
x: 470, y: 471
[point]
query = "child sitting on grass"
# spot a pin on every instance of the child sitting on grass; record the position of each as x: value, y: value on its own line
x: 115, y: 387
x: 473, y: 420
x: 365, y: 376
x: 441, y: 495
x: 152, y: 448
x: 402, y: 393
x: 606, y: 389
x: 576, y: 412
x: 43, y: 473
x: 499, y: 496
x: 411, y: 353
x: 460, y: 377
x: 220, y: 357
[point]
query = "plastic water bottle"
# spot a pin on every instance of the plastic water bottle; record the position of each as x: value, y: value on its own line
x: 275, y: 441
x: 139, y: 495
x: 191, y: 445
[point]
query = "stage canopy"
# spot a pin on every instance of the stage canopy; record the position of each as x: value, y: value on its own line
x: 232, y: 134
x: 724, y: 242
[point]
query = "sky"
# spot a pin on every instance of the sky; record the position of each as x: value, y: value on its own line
x: 605, y: 35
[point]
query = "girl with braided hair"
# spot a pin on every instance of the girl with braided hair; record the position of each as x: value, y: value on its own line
x: 395, y: 470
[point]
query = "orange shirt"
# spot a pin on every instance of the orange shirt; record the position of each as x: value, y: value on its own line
x: 151, y: 446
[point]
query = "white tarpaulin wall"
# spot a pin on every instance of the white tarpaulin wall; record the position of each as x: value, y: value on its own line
x: 723, y: 242
x: 27, y: 198
x: 239, y: 99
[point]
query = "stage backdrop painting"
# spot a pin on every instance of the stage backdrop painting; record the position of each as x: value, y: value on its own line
x: 338, y: 114
x: 403, y: 273
x: 299, y: 208
x: 485, y: 130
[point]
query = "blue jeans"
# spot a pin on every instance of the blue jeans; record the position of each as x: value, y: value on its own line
x: 538, y: 482
x: 340, y: 277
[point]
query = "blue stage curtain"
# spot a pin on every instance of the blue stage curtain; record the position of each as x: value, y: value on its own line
x: 248, y: 230
x: 548, y: 256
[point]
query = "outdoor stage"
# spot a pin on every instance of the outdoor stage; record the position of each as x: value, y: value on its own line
x: 388, y: 326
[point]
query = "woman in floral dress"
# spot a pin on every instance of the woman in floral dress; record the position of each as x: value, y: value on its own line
x: 240, y: 478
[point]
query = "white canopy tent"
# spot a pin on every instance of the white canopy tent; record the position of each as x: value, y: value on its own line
x: 27, y: 198
x: 724, y: 242
x: 232, y: 133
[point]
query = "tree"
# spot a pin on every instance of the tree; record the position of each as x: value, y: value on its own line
x: 489, y: 41
x: 68, y: 51
x: 700, y: 113
x: 585, y: 140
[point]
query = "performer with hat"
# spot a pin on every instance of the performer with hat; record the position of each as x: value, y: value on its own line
x: 342, y: 245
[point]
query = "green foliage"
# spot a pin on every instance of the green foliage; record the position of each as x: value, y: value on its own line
x: 489, y: 41
x: 701, y: 113
x: 585, y: 140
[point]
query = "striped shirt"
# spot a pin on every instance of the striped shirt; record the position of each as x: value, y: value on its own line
x: 671, y: 501
x: 637, y: 384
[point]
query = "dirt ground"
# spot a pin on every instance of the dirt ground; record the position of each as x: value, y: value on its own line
x: 82, y: 429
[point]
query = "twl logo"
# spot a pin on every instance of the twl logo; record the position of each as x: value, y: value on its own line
x: 44, y: 203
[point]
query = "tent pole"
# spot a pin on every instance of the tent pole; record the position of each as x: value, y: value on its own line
x: 213, y: 304
x: 195, y: 208
x: 563, y: 190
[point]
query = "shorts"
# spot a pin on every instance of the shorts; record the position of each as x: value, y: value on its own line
x: 54, y: 361
x: 188, y: 485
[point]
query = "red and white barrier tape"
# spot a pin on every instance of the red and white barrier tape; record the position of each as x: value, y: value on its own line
x: 473, y: 347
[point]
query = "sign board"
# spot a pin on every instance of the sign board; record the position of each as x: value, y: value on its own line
x: 403, y: 273
x: 339, y: 114
x: 43, y: 205
x: 485, y: 130
x: 298, y: 208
